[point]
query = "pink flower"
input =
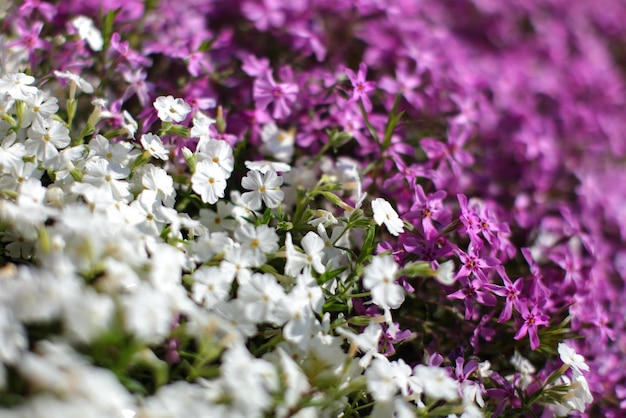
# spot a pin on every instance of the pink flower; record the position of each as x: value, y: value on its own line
x: 532, y: 319
x: 266, y: 91
x: 361, y: 87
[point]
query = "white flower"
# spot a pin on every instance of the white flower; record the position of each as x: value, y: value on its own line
x: 381, y: 378
x: 299, y: 309
x: 153, y: 144
x: 313, y: 247
x: 117, y: 154
x: 445, y: 273
x: 11, y: 152
x: 88, y: 315
x: 367, y: 341
x: 209, y: 182
x: 13, y: 336
x: 147, y: 314
x: 248, y: 382
x: 58, y: 369
x: 278, y: 143
x: 265, y: 166
x: 179, y: 399
x: 380, y: 280
x: 436, y: 382
x: 149, y: 215
x: 522, y: 364
x: 233, y: 312
x: 18, y: 85
x: 294, y: 381
x: 170, y: 109
x: 208, y: 245
x: 75, y: 80
x: 158, y: 180
x: 45, y: 139
x: 210, y: 286
x: 397, y: 408
x: 88, y: 32
x: 220, y: 219
x: 259, y: 240
x: 99, y: 173
x: 338, y: 238
x: 578, y: 395
x: 40, y: 107
x: 129, y: 124
x: 216, y: 152
x: 323, y: 217
x: 236, y: 263
x: 384, y: 213
x: 571, y: 358
x: 201, y: 126
x: 262, y: 296
x: 265, y: 187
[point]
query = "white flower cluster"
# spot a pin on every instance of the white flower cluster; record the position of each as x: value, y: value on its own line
x: 110, y: 255
x: 578, y: 394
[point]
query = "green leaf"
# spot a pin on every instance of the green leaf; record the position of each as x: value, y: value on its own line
x: 367, y: 249
x: 417, y: 269
x: 369, y: 124
x: 392, y: 122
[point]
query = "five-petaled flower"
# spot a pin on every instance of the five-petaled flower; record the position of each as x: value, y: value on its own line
x: 170, y: 109
x: 266, y: 90
x: 360, y: 86
x: 264, y: 187
x: 532, y: 318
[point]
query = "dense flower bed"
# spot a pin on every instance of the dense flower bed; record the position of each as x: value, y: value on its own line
x: 312, y: 208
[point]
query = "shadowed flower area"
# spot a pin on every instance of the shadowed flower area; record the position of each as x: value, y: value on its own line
x: 294, y: 208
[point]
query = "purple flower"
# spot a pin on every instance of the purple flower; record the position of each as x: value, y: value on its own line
x: 47, y: 10
x: 510, y: 291
x: 472, y: 291
x: 429, y: 208
x: 532, y: 318
x: 474, y: 264
x: 266, y: 91
x: 360, y: 86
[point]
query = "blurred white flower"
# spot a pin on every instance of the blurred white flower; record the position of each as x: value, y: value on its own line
x: 170, y: 109
x: 88, y: 32
x: 384, y: 213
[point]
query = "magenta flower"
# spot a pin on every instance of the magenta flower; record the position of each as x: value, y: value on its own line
x: 532, y: 319
x: 266, y: 91
x: 470, y: 292
x: 361, y: 87
x: 474, y: 264
x: 47, y: 10
x: 429, y: 208
x: 510, y: 291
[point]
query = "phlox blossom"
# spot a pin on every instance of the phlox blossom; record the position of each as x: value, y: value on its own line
x: 380, y: 280
x: 360, y: 86
x: 313, y: 247
x: 571, y: 358
x: 436, y: 382
x: 44, y: 139
x: 170, y: 109
x: 260, y: 240
x: 18, y: 85
x: 209, y: 182
x: 153, y: 144
x: 266, y: 90
x: 76, y: 81
x: 216, y: 152
x: 264, y: 187
x: 384, y: 213
x: 88, y: 32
